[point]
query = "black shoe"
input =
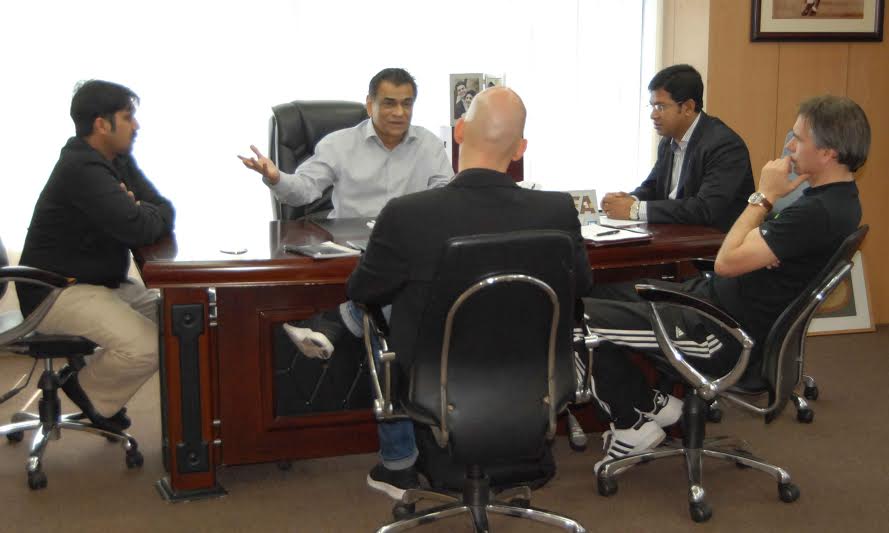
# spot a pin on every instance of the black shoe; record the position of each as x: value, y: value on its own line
x: 393, y: 482
x: 121, y: 419
x: 68, y: 379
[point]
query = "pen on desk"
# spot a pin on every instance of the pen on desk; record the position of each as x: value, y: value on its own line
x: 611, y: 232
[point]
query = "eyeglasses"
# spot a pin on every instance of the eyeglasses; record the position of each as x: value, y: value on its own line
x: 661, y: 107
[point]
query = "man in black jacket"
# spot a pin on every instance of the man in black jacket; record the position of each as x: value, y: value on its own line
x: 409, y: 233
x: 702, y: 174
x: 96, y: 206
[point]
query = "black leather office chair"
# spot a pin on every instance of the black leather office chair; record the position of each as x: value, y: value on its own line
x: 294, y: 130
x: 771, y: 371
x: 18, y: 335
x: 493, y: 365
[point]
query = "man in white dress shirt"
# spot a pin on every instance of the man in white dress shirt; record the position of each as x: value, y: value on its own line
x: 381, y: 158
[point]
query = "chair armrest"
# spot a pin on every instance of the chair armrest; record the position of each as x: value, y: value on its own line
x: 34, y: 276
x: 704, y: 264
x: 374, y: 327
x: 707, y: 388
x: 585, y: 342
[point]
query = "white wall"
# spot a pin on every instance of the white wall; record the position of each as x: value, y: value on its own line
x: 208, y: 73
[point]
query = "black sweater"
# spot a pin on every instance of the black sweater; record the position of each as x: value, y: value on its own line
x: 84, y: 225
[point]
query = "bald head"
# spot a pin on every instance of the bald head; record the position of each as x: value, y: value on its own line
x: 491, y: 132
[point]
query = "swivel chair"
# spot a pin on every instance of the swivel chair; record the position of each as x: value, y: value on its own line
x: 294, y: 130
x: 492, y: 366
x: 18, y: 335
x: 771, y: 371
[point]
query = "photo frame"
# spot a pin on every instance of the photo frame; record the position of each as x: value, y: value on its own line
x: 814, y: 20
x: 847, y: 310
x: 464, y: 87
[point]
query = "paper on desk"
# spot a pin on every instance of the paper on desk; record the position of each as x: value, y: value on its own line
x: 594, y: 232
x: 617, y: 222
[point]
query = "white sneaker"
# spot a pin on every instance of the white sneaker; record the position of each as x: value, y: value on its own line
x: 644, y: 435
x: 310, y: 343
x: 667, y: 409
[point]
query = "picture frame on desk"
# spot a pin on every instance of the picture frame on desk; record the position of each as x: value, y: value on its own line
x: 847, y: 310
x: 814, y: 20
x: 465, y: 87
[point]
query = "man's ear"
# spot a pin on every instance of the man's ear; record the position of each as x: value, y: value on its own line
x: 101, y: 125
x: 458, y: 130
x: 369, y: 105
x: 520, y: 150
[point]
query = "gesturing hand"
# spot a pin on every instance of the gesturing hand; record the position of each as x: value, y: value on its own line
x: 262, y: 164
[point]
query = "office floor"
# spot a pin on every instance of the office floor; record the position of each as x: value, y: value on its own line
x: 839, y: 462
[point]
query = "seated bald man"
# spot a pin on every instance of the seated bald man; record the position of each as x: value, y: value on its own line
x: 411, y: 230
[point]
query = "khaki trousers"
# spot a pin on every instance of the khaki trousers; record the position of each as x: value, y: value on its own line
x: 123, y: 322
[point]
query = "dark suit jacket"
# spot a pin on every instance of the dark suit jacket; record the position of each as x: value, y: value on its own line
x: 410, y: 232
x: 715, y: 182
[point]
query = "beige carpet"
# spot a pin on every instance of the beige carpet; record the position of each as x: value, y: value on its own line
x: 839, y: 462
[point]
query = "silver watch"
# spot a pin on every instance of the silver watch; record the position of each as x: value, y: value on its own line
x: 634, y: 210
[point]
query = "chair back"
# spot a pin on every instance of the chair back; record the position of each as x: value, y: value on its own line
x: 500, y: 306
x: 783, y: 350
x: 294, y: 130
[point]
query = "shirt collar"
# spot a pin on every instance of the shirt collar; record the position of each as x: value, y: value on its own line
x: 371, y: 133
x: 685, y: 138
x: 482, y: 177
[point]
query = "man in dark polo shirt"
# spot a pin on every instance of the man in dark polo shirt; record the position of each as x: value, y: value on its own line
x: 765, y: 262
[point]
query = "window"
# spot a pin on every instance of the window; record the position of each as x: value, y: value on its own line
x: 209, y: 72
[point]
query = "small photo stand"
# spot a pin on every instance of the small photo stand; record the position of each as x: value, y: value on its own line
x: 465, y: 87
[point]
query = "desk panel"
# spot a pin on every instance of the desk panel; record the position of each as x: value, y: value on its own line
x: 220, y: 396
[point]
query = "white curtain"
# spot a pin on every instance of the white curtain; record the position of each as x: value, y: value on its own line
x: 208, y: 73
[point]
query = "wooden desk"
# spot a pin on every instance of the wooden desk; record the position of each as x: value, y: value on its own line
x: 221, y: 313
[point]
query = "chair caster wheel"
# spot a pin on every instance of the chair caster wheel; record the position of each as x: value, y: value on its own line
x: 700, y: 512
x: 15, y: 436
x: 37, y: 480
x: 788, y: 492
x: 402, y: 510
x: 285, y: 465
x: 714, y: 415
x: 606, y: 486
x: 811, y: 393
x: 134, y: 458
x: 805, y: 416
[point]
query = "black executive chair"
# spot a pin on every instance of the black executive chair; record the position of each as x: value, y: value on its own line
x: 492, y: 366
x: 294, y: 130
x: 772, y: 370
x: 18, y: 335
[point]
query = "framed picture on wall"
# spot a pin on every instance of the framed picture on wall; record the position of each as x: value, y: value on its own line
x: 847, y: 309
x: 817, y: 20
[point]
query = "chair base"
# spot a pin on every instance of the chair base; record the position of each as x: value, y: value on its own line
x: 48, y: 425
x: 478, y: 501
x: 694, y: 448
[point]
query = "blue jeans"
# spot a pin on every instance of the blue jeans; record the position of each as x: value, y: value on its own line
x: 398, y: 449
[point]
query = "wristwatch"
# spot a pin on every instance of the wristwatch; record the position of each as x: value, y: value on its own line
x: 760, y: 199
x: 634, y: 210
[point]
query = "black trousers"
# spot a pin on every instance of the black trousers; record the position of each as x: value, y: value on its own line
x: 622, y: 320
